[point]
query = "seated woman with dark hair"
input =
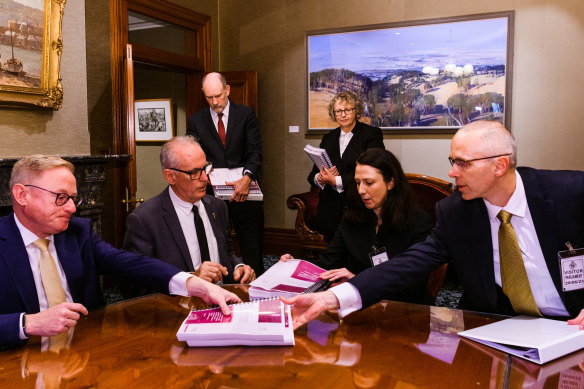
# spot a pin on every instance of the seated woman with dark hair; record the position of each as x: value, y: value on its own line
x: 379, y: 222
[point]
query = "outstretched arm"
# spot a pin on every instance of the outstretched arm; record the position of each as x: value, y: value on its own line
x: 306, y: 307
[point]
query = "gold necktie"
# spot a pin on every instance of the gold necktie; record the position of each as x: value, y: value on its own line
x: 513, y: 276
x: 50, y: 275
x: 53, y: 288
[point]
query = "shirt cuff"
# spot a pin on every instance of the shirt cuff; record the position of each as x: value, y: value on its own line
x: 349, y: 298
x: 316, y: 181
x: 20, y: 327
x: 178, y: 284
x: 339, y: 187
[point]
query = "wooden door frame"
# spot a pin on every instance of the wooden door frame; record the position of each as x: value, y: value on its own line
x: 122, y: 98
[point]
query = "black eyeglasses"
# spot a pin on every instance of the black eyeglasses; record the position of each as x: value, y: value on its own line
x: 463, y: 164
x: 346, y: 111
x: 196, y: 173
x: 61, y: 198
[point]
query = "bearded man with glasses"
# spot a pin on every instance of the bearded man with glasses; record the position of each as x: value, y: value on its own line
x: 183, y: 225
x: 502, y: 234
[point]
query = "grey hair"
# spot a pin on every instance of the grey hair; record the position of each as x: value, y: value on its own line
x: 215, y: 74
x: 32, y: 166
x: 168, y: 158
x: 496, y: 139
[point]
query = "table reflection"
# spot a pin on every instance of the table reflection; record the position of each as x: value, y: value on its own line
x: 389, y: 345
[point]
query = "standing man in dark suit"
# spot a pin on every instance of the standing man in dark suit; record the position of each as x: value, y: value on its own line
x: 546, y: 210
x: 166, y: 226
x: 230, y: 136
x: 49, y: 261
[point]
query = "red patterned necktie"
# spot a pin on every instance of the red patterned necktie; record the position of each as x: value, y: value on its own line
x: 221, y: 128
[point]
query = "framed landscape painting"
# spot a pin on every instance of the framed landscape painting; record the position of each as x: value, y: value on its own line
x: 424, y: 76
x: 30, y: 53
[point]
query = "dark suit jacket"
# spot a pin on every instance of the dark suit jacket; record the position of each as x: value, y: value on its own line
x: 462, y: 236
x: 83, y: 255
x: 330, y: 204
x: 242, y: 143
x: 153, y: 229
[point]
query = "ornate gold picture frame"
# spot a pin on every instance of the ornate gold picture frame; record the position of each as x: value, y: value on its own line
x: 30, y: 53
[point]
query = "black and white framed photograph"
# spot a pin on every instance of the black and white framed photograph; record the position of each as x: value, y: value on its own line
x: 153, y: 120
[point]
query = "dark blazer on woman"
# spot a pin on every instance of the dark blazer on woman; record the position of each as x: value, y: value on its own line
x: 331, y: 202
x: 351, y: 245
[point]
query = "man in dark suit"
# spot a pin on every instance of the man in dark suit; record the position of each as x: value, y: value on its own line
x: 165, y: 227
x: 49, y: 261
x: 547, y: 209
x: 229, y: 134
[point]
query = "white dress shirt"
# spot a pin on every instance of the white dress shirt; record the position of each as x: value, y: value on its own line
x: 177, y: 284
x: 344, y: 140
x: 544, y: 292
x: 186, y: 218
x: 225, y: 118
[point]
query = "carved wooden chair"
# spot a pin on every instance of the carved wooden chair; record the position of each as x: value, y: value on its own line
x: 427, y: 191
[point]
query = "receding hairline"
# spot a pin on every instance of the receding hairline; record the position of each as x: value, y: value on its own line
x: 214, y: 76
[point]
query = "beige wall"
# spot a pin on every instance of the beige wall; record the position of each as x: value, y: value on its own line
x: 268, y: 36
x: 63, y: 132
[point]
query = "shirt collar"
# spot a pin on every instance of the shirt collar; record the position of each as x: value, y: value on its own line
x: 225, y: 111
x: 180, y: 205
x: 27, y: 235
x: 516, y: 205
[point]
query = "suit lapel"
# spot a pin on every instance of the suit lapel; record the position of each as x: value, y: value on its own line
x: 543, y: 215
x: 69, y: 256
x: 171, y: 220
x: 335, y: 150
x: 352, y: 151
x: 481, y: 253
x: 231, y: 123
x: 213, y: 218
x: 13, y: 253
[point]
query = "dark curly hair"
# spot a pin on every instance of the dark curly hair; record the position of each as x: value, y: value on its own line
x: 396, y: 210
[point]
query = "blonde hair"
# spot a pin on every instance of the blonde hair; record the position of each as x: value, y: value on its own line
x: 32, y: 166
x: 349, y: 97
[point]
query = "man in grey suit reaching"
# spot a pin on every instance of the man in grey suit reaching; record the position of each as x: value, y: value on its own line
x: 182, y: 225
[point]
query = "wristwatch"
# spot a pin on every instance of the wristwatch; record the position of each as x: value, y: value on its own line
x: 249, y: 175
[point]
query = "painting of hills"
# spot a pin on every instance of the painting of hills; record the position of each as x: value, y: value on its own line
x: 440, y: 75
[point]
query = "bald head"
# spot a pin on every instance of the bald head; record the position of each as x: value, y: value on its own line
x: 216, y: 91
x: 489, y: 138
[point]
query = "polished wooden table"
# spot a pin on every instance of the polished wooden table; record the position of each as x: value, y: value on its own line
x: 133, y: 344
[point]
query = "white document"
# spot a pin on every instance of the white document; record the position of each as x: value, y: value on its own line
x: 260, y: 323
x: 224, y: 192
x: 535, y: 339
x: 319, y: 156
x: 286, y: 279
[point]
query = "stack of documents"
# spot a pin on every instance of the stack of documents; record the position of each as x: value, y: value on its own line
x: 288, y: 279
x: 535, y: 339
x: 258, y: 323
x: 319, y: 156
x: 224, y: 192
